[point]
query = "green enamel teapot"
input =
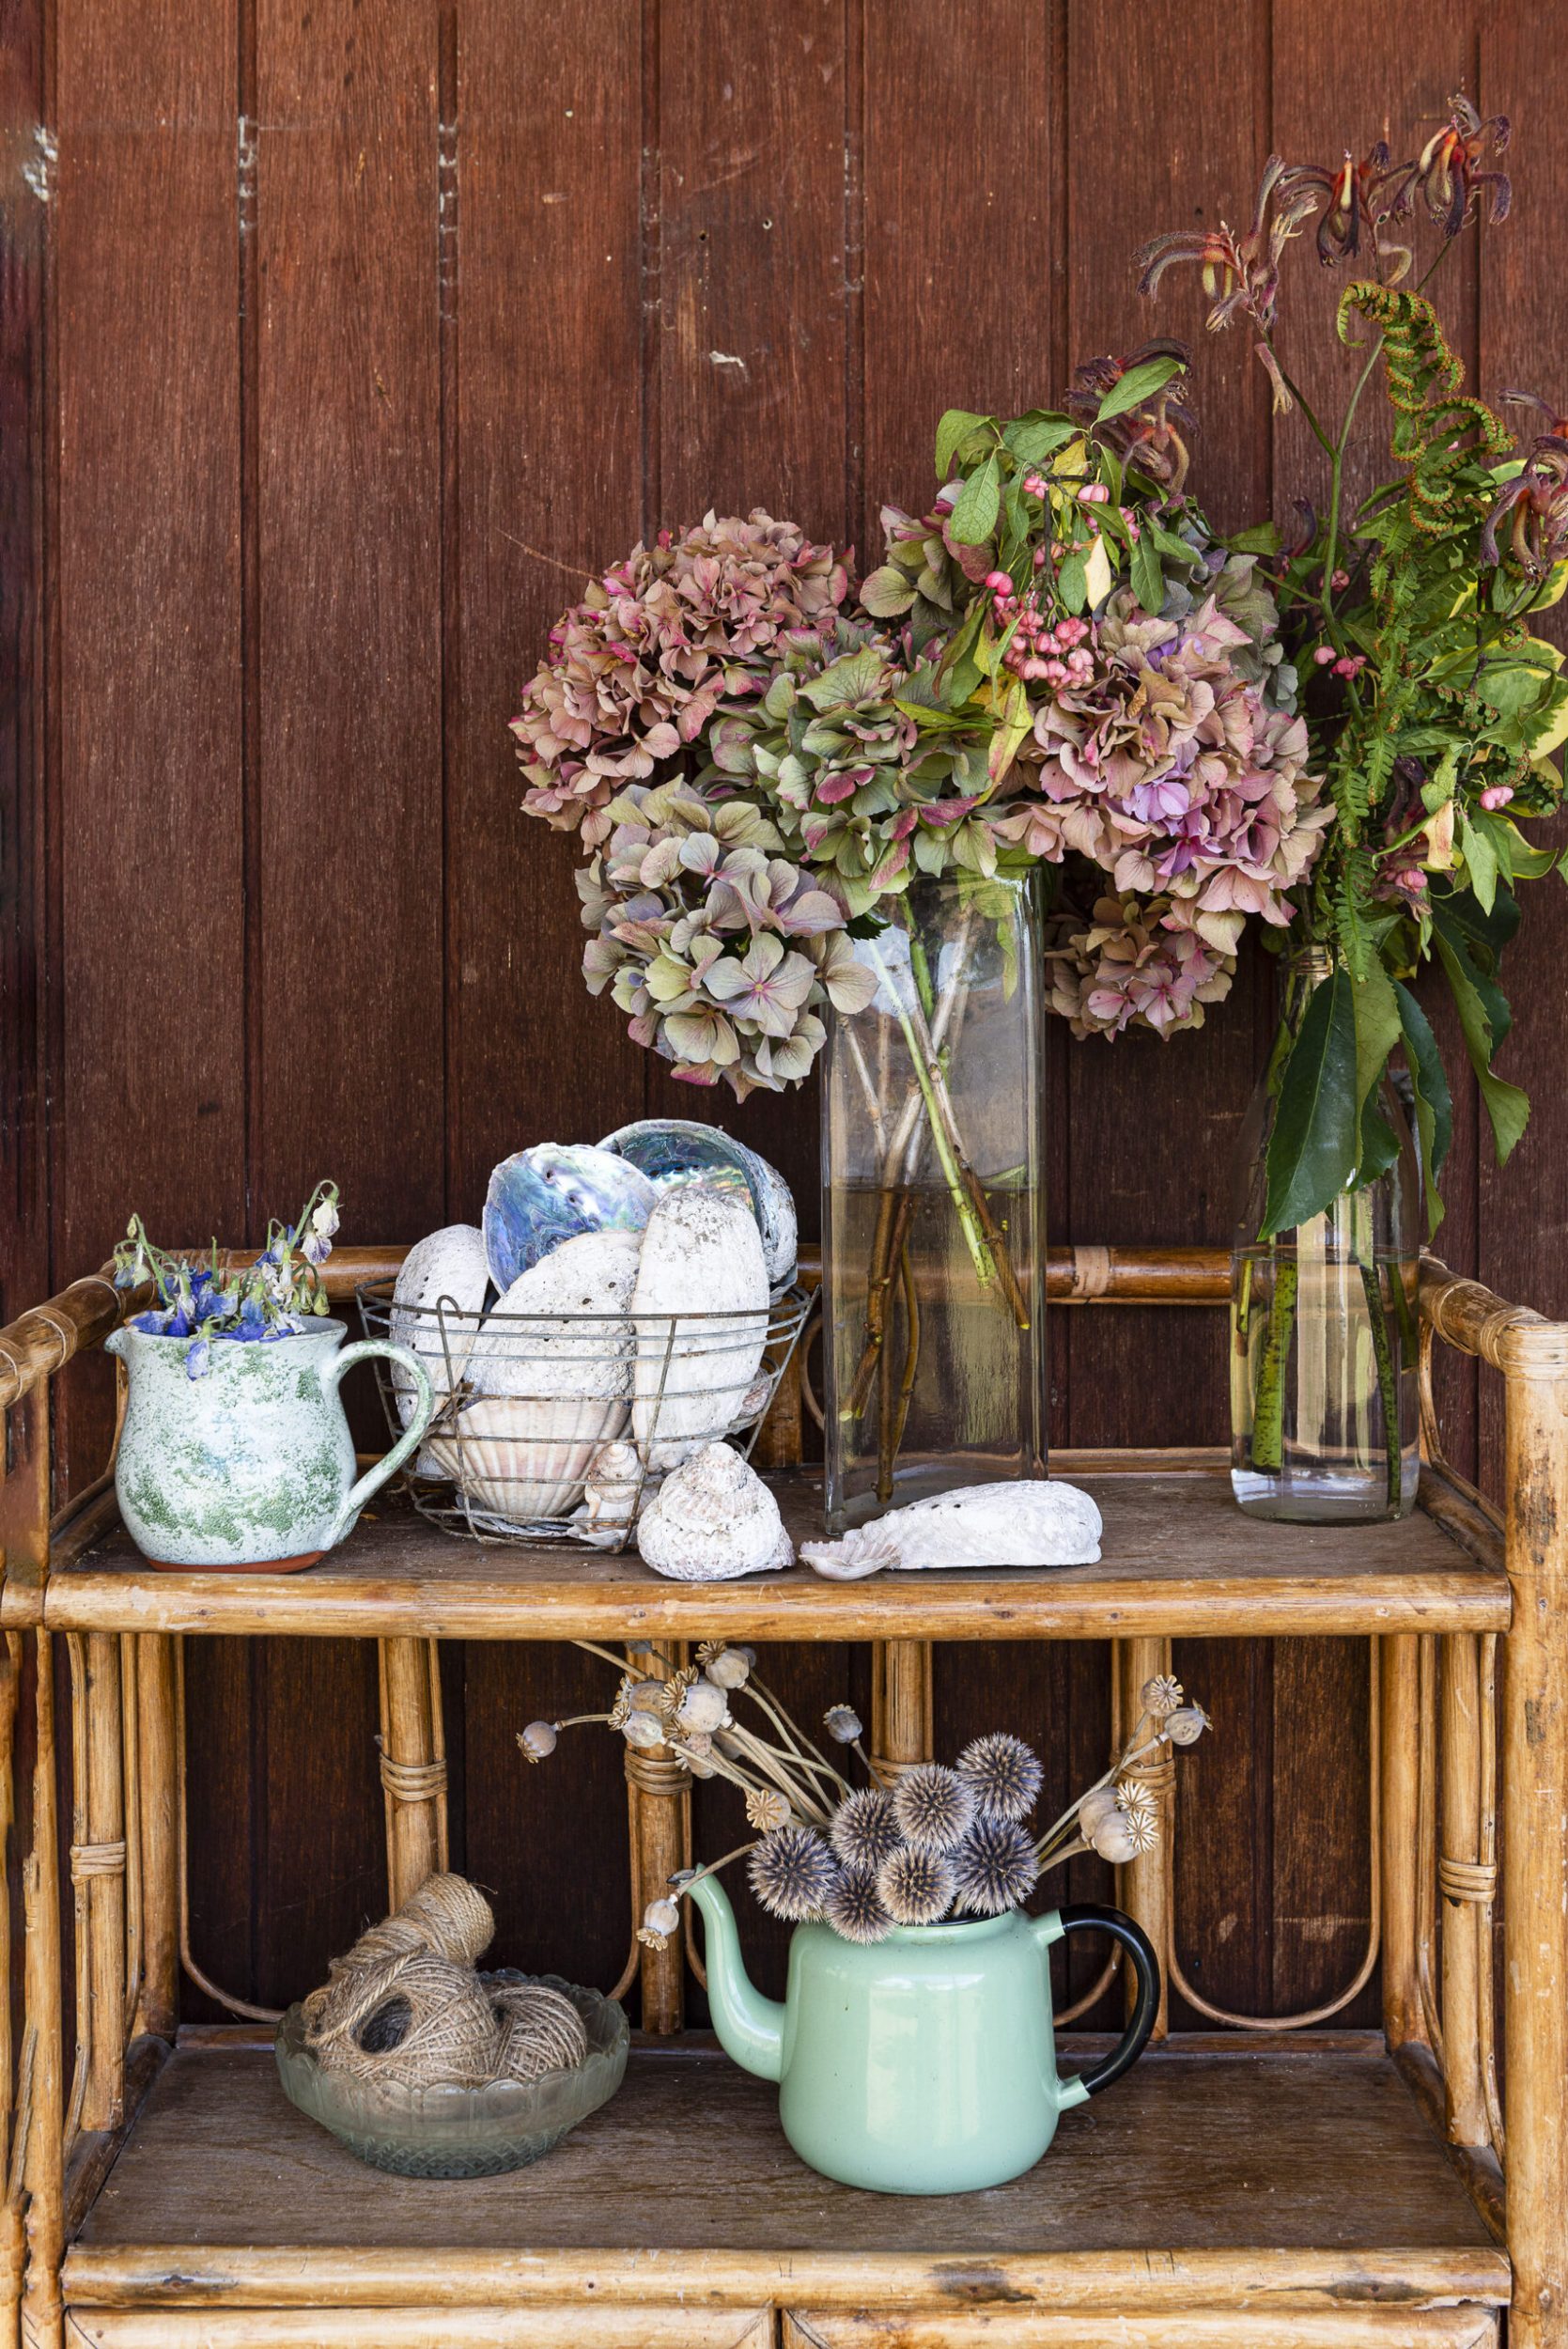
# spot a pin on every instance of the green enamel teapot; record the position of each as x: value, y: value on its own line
x: 925, y: 2062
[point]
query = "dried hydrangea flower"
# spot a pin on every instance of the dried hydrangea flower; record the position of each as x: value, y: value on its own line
x: 766, y: 1809
x: 854, y: 1908
x: 1187, y: 1724
x: 1160, y: 1696
x: 537, y: 1741
x: 792, y: 1873
x: 934, y: 1806
x: 638, y: 668
x: 862, y: 1829
x: 916, y: 1886
x: 1004, y: 1773
x: 994, y: 1868
x: 842, y: 1724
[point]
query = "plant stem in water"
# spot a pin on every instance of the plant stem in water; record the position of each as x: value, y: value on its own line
x: 1268, y: 1417
x: 1386, y: 1387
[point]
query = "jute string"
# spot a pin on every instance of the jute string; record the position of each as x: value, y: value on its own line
x: 406, y: 2005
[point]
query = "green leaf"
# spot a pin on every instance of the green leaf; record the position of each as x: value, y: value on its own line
x: 1376, y: 1008
x: 1071, y: 584
x: 1034, y: 438
x: 1317, y: 1138
x: 1379, y: 1144
x: 1263, y: 538
x: 974, y: 516
x: 956, y: 426
x: 1434, y: 1102
x: 1506, y: 1106
x: 1481, y: 862
x: 1148, y: 580
x: 887, y: 593
x: 1139, y: 384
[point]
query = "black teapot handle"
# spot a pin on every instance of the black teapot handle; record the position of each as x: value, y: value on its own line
x: 1085, y: 1916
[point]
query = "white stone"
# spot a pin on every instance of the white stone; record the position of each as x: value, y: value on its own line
x: 713, y: 1519
x: 548, y: 1391
x: 1030, y: 1522
x: 702, y: 1255
x: 443, y: 1274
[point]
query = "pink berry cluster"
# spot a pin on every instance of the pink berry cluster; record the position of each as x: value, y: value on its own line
x: 1052, y: 652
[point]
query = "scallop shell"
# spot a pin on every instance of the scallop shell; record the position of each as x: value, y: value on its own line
x: 446, y: 1268
x: 551, y: 1391
x: 1029, y: 1522
x: 538, y: 1198
x: 677, y: 1152
x: 702, y: 1255
x: 712, y: 1520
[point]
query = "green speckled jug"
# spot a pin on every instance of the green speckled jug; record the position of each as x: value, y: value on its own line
x: 924, y: 2063
x: 251, y: 1466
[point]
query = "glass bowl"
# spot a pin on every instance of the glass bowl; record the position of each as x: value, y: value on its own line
x: 461, y: 2132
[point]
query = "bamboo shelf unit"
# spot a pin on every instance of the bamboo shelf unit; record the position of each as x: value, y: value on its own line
x: 1259, y: 2184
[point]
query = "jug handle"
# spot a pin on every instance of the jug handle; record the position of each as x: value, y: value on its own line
x: 1086, y: 1916
x: 364, y: 1350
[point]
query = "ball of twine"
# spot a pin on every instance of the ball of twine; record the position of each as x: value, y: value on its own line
x: 447, y: 1915
x: 415, y: 2018
x: 540, y: 2030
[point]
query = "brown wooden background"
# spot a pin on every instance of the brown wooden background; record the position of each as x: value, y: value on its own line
x: 339, y: 342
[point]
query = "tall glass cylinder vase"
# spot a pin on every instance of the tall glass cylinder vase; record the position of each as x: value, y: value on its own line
x: 1324, y: 1415
x: 934, y: 1226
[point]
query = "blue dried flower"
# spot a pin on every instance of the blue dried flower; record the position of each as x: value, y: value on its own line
x: 1004, y: 1774
x: 198, y: 1359
x: 792, y: 1873
x: 934, y: 1806
x: 854, y: 1908
x: 863, y: 1831
x: 916, y: 1886
x: 994, y: 1868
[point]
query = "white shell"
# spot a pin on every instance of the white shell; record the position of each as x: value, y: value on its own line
x: 713, y: 1519
x: 447, y: 1267
x: 702, y: 1254
x: 547, y: 1397
x: 614, y: 1484
x: 1032, y: 1522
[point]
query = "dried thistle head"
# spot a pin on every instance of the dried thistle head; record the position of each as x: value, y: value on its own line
x: 916, y: 1886
x: 864, y: 1831
x: 994, y: 1868
x: 934, y: 1806
x: 856, y: 1909
x: 792, y: 1873
x: 1004, y: 1775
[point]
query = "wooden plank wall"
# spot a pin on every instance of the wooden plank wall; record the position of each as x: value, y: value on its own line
x: 336, y: 345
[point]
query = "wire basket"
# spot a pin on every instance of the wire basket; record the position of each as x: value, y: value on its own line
x: 559, y: 1426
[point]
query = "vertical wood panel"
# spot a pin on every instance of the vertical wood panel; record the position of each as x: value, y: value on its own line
x: 547, y: 296
x: 1152, y: 1124
x: 756, y: 325
x: 148, y: 869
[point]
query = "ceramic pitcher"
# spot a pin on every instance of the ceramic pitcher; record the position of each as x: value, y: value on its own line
x: 924, y: 2064
x: 253, y: 1465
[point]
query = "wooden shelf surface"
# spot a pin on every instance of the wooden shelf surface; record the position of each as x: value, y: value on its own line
x: 1213, y: 2171
x: 1179, y: 1560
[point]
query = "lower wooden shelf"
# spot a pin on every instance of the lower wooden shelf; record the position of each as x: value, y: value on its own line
x: 1215, y: 2192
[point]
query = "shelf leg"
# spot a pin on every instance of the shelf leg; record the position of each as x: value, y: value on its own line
x: 659, y: 1800
x: 902, y: 1713
x: 1399, y: 1668
x: 414, y: 1770
x: 1461, y: 1880
x: 158, y: 1746
x: 99, y: 1865
x: 44, y: 2163
x: 1144, y: 1884
x: 1535, y: 1832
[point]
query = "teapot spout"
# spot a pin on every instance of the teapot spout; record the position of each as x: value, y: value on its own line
x: 750, y: 2026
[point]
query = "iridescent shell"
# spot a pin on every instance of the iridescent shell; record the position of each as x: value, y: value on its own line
x: 675, y: 1152
x: 539, y: 1197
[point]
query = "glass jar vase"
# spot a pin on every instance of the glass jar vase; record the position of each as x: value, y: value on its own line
x: 1325, y: 1414
x: 932, y: 1224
